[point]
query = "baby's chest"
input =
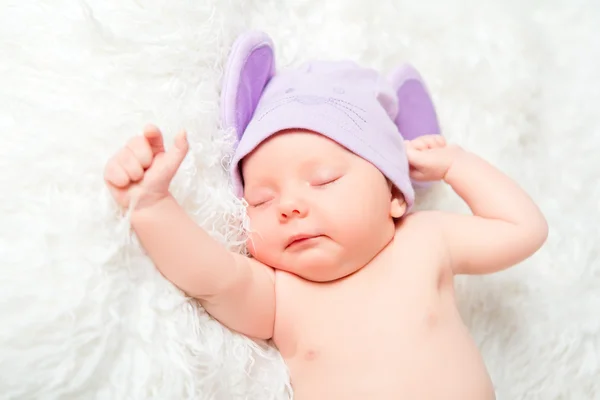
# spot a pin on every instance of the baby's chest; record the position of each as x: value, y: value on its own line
x: 315, y: 318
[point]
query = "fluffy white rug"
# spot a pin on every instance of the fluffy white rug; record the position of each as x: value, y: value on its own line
x: 84, y: 313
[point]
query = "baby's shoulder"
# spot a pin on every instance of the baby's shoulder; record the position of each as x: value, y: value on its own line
x: 421, y: 230
x: 423, y: 221
x: 419, y: 239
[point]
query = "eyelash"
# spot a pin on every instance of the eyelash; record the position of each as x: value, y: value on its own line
x: 259, y: 204
x: 322, y: 184
x: 328, y: 182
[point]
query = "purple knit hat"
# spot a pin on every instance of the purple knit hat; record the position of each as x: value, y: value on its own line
x: 356, y: 107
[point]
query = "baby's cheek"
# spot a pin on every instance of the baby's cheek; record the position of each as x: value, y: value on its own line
x: 257, y: 246
x: 250, y: 245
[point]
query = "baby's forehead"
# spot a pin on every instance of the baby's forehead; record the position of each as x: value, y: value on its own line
x: 296, y: 145
x: 294, y: 148
x: 299, y: 160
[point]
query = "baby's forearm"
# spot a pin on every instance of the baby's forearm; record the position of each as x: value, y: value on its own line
x: 491, y: 194
x: 182, y: 251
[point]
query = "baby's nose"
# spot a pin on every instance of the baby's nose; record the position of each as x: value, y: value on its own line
x: 290, y: 209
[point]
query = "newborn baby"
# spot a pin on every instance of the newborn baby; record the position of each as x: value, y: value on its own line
x: 354, y: 288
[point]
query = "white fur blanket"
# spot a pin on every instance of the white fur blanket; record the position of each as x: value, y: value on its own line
x: 84, y: 314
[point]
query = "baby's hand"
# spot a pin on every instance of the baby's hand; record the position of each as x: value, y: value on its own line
x: 430, y: 157
x: 142, y: 170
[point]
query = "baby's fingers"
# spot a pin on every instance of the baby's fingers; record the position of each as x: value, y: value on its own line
x: 130, y: 164
x: 115, y: 175
x: 141, y: 150
x: 440, y: 140
x: 174, y: 157
x: 427, y: 142
x: 416, y: 157
x: 154, y: 139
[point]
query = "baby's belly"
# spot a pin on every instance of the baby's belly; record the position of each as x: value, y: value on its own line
x: 386, y: 345
x: 442, y: 364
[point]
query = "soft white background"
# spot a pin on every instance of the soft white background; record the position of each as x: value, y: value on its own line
x: 83, y: 312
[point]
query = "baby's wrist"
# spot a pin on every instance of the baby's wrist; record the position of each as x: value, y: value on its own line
x: 456, y: 154
x: 150, y: 205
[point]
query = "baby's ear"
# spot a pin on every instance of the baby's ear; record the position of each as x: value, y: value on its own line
x: 397, y: 203
x: 250, y: 66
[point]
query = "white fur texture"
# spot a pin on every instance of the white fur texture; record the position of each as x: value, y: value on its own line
x: 83, y: 312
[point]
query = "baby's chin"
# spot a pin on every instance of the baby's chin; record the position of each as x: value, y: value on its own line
x: 315, y: 266
x: 323, y: 274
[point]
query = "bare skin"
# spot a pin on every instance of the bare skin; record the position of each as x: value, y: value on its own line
x: 389, y: 331
x: 356, y: 294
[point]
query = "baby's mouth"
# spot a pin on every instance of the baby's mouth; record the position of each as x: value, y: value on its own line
x: 297, y: 241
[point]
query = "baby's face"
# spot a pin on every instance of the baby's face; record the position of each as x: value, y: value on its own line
x: 316, y: 209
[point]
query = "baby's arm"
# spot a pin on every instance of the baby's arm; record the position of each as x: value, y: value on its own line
x: 236, y: 290
x: 506, y: 226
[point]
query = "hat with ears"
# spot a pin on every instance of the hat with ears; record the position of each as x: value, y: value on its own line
x: 367, y: 113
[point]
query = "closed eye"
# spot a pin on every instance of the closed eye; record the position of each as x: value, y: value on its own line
x: 258, y: 204
x: 258, y: 200
x: 326, y: 182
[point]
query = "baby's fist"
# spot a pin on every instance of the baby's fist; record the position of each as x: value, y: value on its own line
x: 430, y: 157
x: 142, y: 170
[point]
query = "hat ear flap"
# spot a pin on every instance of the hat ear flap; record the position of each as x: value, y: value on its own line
x: 250, y: 66
x: 416, y: 112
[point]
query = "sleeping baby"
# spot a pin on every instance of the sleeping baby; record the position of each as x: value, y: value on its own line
x: 353, y: 286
